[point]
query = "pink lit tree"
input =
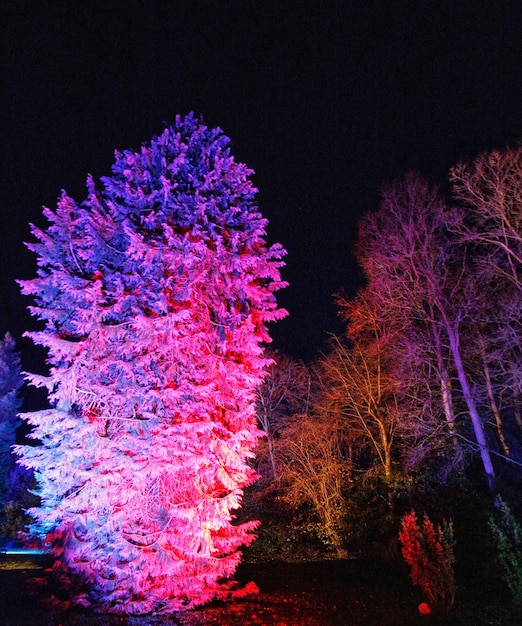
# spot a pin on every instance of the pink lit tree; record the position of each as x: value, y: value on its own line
x: 155, y: 293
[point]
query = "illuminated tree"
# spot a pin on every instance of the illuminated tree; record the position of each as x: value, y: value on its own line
x: 285, y: 392
x: 312, y: 473
x: 155, y: 293
x: 492, y: 354
x: 420, y: 273
x: 429, y: 551
x: 378, y: 376
x: 300, y: 459
x: 361, y: 387
x: 490, y: 190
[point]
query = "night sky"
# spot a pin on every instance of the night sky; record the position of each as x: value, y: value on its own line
x: 325, y: 103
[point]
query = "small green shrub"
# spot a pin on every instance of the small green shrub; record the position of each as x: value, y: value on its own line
x: 14, y: 520
x: 508, y: 537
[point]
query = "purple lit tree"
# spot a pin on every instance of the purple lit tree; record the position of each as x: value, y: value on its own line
x: 490, y: 190
x: 155, y: 293
x: 419, y: 273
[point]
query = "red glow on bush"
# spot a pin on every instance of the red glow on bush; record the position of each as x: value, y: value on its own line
x: 428, y: 550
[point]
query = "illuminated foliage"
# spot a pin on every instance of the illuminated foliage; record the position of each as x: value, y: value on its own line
x: 155, y: 293
x: 312, y: 475
x: 491, y: 189
x: 428, y: 550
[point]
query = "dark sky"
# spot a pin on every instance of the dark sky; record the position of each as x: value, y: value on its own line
x: 324, y: 103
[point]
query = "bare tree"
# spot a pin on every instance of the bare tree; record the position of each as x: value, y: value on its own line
x: 361, y: 386
x: 313, y: 470
x: 491, y: 189
x: 285, y: 391
x: 410, y: 383
x: 421, y: 277
x: 301, y: 460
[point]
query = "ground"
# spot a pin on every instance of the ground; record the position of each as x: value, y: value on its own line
x: 327, y: 593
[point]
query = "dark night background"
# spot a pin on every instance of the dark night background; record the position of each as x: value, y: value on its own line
x: 325, y: 103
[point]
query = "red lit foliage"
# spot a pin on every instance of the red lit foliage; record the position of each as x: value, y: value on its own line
x: 428, y: 550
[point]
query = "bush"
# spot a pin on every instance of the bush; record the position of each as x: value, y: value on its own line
x: 19, y: 497
x: 508, y: 537
x: 428, y: 550
x: 14, y: 522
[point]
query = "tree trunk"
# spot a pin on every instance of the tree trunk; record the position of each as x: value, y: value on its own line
x: 386, y: 451
x: 445, y: 383
x: 478, y: 426
x: 495, y: 410
x: 263, y: 416
x: 516, y: 402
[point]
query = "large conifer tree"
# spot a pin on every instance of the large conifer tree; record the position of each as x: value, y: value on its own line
x: 154, y: 292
